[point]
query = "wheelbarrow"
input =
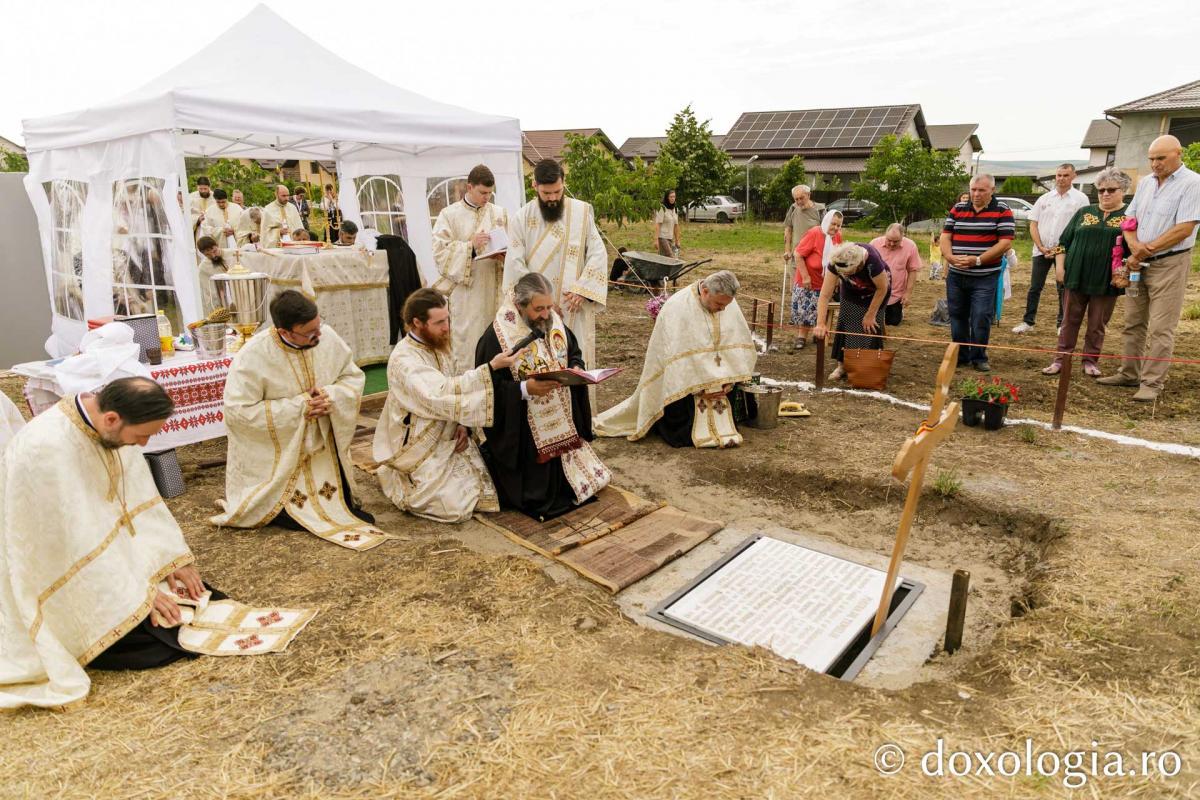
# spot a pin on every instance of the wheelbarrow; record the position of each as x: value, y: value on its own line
x: 654, y: 270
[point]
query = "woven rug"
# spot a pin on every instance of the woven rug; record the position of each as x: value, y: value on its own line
x: 615, y: 541
x: 612, y: 509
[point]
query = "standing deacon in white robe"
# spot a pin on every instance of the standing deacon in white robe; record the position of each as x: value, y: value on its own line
x: 556, y: 236
x: 291, y: 407
x: 472, y: 284
x: 428, y: 463
x: 222, y: 219
x: 85, y: 540
x: 700, y: 348
x: 199, y: 202
x: 279, y: 219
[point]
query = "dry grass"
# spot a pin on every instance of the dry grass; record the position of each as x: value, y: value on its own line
x: 506, y: 692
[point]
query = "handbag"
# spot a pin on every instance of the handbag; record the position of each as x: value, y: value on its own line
x: 868, y: 369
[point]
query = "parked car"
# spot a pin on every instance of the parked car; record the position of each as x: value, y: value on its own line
x: 1020, y: 208
x: 852, y: 209
x: 719, y: 208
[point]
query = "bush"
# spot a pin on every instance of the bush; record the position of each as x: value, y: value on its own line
x: 1017, y: 184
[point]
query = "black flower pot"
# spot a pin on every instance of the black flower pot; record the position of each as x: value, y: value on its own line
x: 975, y: 410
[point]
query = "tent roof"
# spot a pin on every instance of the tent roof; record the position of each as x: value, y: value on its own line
x: 225, y: 114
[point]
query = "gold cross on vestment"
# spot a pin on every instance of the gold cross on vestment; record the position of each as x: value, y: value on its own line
x: 912, y: 460
x: 299, y: 498
x: 328, y: 490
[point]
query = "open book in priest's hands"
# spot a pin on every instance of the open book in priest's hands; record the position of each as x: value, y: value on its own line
x: 576, y: 376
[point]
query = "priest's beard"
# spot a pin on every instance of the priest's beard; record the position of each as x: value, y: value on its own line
x: 111, y: 441
x: 552, y: 210
x: 542, y: 325
x: 441, y: 344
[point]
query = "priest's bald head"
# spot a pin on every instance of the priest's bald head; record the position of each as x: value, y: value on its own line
x: 282, y: 193
x: 296, y: 319
x: 130, y: 411
x: 534, y: 298
x: 548, y: 183
x: 718, y: 290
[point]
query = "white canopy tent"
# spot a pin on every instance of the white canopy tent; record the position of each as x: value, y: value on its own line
x: 102, y: 180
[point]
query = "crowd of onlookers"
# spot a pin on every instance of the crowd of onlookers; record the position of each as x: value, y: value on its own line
x: 1139, y: 248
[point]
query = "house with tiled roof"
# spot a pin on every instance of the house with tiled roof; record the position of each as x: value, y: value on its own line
x: 646, y: 147
x: 959, y: 139
x: 536, y: 145
x: 1175, y: 111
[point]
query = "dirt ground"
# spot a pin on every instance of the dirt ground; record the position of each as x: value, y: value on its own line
x: 451, y: 663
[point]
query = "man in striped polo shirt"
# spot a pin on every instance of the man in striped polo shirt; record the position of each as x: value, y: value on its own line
x: 975, y: 238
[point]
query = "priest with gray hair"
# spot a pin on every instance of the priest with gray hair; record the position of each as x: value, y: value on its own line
x: 699, y: 349
x: 537, y: 445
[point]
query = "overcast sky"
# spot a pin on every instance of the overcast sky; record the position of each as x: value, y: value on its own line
x: 1031, y: 74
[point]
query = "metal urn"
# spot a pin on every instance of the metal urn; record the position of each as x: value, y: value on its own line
x: 244, y: 293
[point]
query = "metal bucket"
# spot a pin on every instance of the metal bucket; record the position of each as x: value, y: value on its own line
x: 210, y: 340
x: 768, y: 399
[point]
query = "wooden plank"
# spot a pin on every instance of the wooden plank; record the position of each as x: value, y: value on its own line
x: 640, y: 548
x: 612, y: 510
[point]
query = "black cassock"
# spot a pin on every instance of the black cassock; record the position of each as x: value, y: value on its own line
x: 675, y: 425
x: 539, y: 490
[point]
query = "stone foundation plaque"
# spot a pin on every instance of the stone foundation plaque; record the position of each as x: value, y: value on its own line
x: 800, y: 603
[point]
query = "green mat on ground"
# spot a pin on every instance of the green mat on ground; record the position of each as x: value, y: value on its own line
x: 376, y: 378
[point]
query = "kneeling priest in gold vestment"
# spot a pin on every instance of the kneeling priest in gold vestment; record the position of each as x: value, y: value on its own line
x: 699, y: 349
x: 291, y: 407
x: 94, y: 570
x: 428, y: 463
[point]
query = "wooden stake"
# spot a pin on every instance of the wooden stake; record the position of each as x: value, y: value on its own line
x: 1064, y: 384
x: 771, y: 323
x: 819, y: 382
x: 912, y: 460
x: 957, y: 615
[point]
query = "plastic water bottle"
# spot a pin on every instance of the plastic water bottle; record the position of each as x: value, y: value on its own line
x: 1135, y: 283
x: 166, y: 336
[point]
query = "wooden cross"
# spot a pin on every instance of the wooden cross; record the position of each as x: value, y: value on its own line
x: 912, y: 460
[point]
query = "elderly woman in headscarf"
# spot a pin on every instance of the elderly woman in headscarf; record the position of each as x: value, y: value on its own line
x: 865, y: 282
x: 1085, y: 269
x: 812, y: 259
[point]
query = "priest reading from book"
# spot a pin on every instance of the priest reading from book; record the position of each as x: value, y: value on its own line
x: 699, y: 349
x: 470, y: 264
x: 537, y: 445
x: 428, y: 463
x: 279, y: 219
x: 291, y: 407
x: 556, y: 236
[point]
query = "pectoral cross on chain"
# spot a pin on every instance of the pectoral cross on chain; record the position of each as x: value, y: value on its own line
x: 911, y: 462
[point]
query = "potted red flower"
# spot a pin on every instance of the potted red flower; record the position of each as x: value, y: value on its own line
x: 987, y: 400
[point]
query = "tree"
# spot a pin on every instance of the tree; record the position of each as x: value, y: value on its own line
x: 257, y: 185
x: 616, y: 190
x: 1017, y: 184
x: 779, y: 190
x: 1191, y: 156
x: 908, y: 181
x: 13, y: 162
x: 703, y: 168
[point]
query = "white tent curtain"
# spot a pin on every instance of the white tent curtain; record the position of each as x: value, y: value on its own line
x: 126, y: 242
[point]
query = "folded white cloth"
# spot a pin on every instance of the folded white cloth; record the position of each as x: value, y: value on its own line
x: 106, y: 353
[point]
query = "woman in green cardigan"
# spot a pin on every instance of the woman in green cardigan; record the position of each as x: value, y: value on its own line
x: 1084, y: 267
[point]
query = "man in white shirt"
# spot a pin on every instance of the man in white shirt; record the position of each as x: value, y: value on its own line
x: 1049, y: 218
x: 1167, y: 209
